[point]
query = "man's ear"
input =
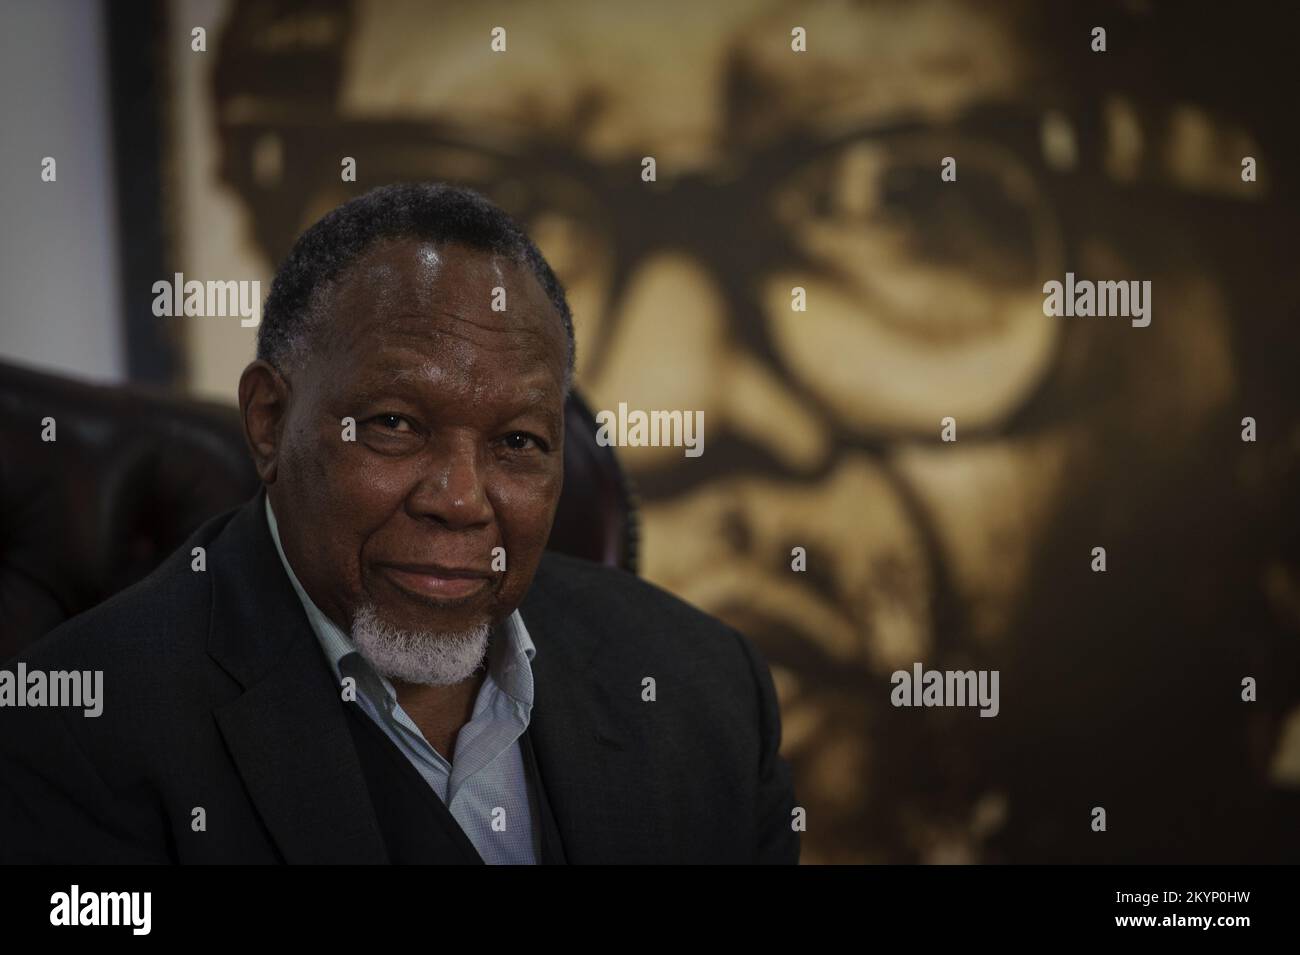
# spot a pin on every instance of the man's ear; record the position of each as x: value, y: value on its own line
x: 263, y: 404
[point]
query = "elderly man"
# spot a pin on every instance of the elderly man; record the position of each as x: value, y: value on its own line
x: 373, y: 660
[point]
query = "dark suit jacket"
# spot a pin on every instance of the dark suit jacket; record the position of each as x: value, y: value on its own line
x: 218, y: 696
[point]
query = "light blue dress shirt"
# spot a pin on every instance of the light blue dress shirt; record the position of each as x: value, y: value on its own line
x: 485, y: 786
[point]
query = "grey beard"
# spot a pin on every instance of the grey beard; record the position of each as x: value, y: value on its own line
x: 427, y: 657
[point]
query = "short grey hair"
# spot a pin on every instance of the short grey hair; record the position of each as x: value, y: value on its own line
x: 433, y: 212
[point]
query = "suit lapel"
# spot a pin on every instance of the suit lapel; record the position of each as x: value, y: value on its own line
x: 287, y: 732
x: 551, y: 845
x: 289, y: 737
x: 599, y: 793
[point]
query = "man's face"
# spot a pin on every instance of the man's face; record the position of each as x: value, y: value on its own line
x: 458, y: 439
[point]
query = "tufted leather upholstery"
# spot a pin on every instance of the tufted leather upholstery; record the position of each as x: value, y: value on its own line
x: 134, y: 472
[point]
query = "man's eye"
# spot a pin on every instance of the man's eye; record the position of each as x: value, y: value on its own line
x: 521, y: 441
x: 392, y: 422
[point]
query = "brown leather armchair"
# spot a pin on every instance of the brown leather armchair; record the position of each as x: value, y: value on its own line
x: 133, y: 472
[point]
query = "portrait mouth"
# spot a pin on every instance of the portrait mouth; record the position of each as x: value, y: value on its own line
x: 438, y: 585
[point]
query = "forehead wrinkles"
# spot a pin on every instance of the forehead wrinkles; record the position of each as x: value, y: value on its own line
x: 412, y: 294
x: 425, y: 275
x: 451, y: 384
x: 459, y: 382
x: 471, y: 367
x: 471, y: 356
x: 454, y: 339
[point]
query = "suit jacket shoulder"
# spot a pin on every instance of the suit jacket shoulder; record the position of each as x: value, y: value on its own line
x: 74, y: 783
x: 148, y: 640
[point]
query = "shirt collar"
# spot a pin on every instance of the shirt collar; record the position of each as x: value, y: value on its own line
x: 509, y: 658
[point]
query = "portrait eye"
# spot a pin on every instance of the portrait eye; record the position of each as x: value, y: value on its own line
x: 522, y: 440
x: 392, y: 422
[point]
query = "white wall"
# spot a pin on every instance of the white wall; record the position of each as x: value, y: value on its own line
x: 59, y: 281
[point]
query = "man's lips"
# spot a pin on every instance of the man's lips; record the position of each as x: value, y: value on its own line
x: 436, y: 580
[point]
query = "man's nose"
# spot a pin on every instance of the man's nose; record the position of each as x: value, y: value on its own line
x: 453, y: 490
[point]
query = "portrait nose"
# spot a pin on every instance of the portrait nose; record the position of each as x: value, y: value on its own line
x: 453, y: 490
